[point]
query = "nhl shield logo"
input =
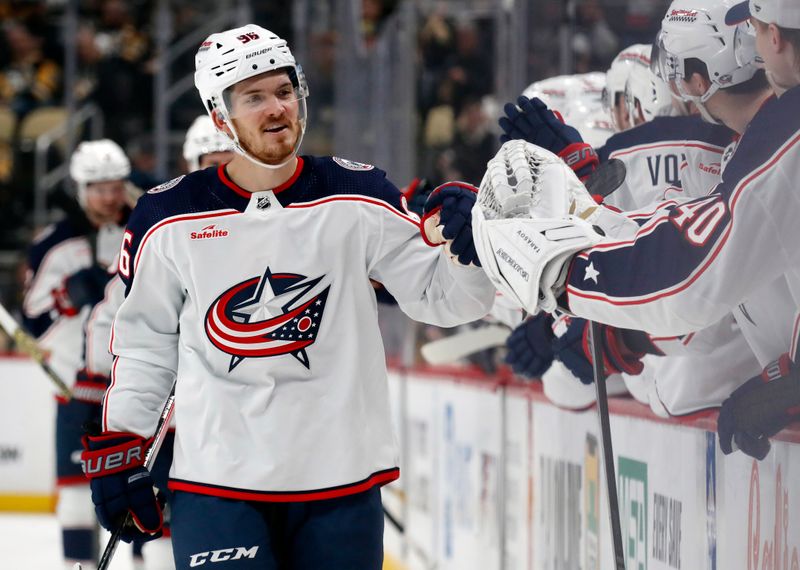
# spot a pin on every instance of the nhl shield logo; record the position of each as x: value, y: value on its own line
x: 263, y: 203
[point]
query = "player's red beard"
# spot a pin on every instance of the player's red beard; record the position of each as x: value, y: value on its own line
x: 269, y: 149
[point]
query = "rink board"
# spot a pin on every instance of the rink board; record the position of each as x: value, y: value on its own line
x: 498, y: 478
x: 494, y: 477
x: 27, y: 416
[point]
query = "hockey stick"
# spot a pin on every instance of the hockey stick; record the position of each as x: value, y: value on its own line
x: 605, y: 441
x: 452, y: 348
x: 400, y: 527
x: 27, y: 344
x: 606, y: 178
x: 149, y: 459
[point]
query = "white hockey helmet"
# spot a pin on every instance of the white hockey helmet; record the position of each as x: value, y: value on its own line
x: 698, y: 29
x: 97, y: 161
x: 784, y: 13
x: 652, y: 94
x: 226, y: 58
x: 204, y: 138
x: 617, y: 76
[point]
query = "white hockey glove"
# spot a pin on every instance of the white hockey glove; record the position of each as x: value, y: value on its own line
x: 529, y: 221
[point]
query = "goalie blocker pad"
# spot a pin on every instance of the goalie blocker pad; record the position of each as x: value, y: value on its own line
x: 526, y: 258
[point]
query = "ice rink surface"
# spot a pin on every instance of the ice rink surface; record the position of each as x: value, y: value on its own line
x: 33, y: 542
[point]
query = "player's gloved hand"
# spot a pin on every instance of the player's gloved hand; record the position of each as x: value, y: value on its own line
x: 760, y: 408
x: 574, y: 350
x: 447, y: 219
x: 87, y: 286
x: 530, y: 346
x: 82, y: 288
x: 89, y: 387
x: 416, y: 193
x: 114, y: 464
x: 532, y: 121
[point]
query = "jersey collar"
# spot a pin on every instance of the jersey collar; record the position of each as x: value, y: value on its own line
x: 226, y: 180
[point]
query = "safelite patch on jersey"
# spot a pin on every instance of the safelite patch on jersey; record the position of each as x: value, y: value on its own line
x: 351, y: 164
x: 167, y: 185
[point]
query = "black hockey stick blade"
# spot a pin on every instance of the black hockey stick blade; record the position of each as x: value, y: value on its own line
x: 606, y: 178
x: 605, y: 441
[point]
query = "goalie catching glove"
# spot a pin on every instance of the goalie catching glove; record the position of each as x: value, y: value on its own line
x: 121, y: 484
x: 760, y: 408
x: 447, y: 220
x: 531, y: 217
x: 530, y: 120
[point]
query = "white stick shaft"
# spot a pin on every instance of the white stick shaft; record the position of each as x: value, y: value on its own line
x: 458, y: 346
x: 7, y: 322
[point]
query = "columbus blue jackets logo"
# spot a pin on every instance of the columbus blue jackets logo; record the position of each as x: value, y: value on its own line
x: 271, y: 315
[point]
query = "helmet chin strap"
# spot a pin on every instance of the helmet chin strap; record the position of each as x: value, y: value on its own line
x: 700, y: 102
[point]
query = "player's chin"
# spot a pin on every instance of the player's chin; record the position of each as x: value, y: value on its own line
x: 277, y: 154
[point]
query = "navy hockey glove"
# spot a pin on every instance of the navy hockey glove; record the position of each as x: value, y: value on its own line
x: 532, y: 121
x: 83, y: 288
x: 114, y: 464
x: 89, y: 387
x: 760, y: 408
x: 447, y: 219
x: 530, y: 346
x: 416, y: 193
x: 623, y: 350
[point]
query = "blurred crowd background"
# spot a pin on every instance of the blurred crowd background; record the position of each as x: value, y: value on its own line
x: 414, y: 87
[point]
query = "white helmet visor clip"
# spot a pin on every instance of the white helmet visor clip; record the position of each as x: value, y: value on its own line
x: 744, y: 42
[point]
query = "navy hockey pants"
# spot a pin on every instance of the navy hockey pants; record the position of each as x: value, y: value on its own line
x: 218, y: 534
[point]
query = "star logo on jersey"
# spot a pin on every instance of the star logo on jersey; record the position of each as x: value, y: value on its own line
x: 271, y: 315
x: 591, y: 273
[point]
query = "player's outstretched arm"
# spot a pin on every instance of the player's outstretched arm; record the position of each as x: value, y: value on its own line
x: 435, y: 276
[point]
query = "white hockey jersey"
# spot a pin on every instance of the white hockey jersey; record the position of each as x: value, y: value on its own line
x: 60, y: 251
x: 261, y: 304
x: 97, y: 332
x: 693, y: 261
x: 668, y: 157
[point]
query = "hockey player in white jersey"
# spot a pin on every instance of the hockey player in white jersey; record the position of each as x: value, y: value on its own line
x: 658, y: 159
x: 579, y: 100
x: 616, y: 79
x: 204, y: 147
x: 68, y: 267
x: 251, y: 284
x: 623, y: 280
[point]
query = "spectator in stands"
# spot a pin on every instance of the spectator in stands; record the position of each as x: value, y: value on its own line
x: 30, y: 79
x: 469, y: 70
x: 595, y: 42
x: 123, y: 72
x: 474, y: 143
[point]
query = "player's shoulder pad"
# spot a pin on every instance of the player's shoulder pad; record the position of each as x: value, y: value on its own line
x: 699, y: 130
x: 340, y: 176
x: 667, y: 129
x: 185, y: 194
x: 775, y: 126
x: 47, y: 239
